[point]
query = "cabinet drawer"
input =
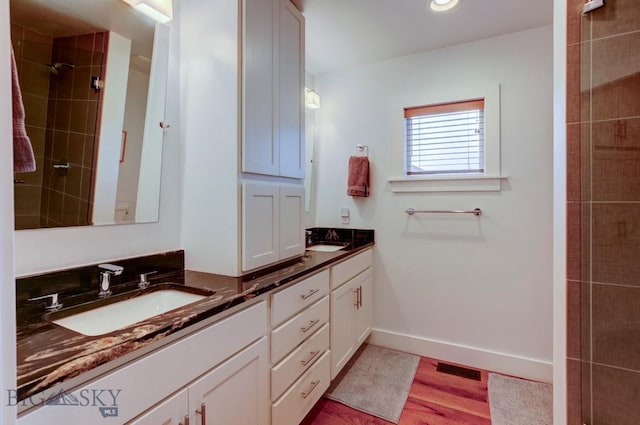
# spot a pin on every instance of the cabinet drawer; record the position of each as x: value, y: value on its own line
x: 344, y: 271
x: 293, y: 332
x: 296, y: 402
x: 288, y: 302
x: 301, y: 359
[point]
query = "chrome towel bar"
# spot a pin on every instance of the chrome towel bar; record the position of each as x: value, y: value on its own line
x: 412, y: 211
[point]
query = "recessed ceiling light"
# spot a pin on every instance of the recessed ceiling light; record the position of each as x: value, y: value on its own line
x: 442, y: 5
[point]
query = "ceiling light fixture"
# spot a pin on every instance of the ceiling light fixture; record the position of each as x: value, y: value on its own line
x: 158, y: 10
x: 443, y: 5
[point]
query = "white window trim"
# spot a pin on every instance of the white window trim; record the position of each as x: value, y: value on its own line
x: 490, y: 180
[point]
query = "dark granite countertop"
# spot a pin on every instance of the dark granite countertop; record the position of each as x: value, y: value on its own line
x: 51, y: 359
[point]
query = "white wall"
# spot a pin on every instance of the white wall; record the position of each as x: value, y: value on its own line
x: 7, y: 285
x: 111, y: 124
x: 210, y: 133
x: 51, y: 249
x: 129, y: 172
x: 475, y: 291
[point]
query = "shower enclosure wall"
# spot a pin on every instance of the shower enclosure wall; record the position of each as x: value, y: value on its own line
x: 62, y: 112
x: 603, y: 213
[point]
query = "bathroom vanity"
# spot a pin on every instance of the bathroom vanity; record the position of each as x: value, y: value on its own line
x: 258, y: 349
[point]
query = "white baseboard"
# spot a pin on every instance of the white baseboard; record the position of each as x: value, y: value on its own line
x: 523, y: 367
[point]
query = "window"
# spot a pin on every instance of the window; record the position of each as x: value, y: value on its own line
x: 450, y: 142
x: 445, y: 139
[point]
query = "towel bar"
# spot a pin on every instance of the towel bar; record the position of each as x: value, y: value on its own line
x: 412, y: 211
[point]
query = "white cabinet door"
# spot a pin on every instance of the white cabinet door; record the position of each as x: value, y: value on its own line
x: 273, y: 89
x: 260, y: 224
x: 343, y: 307
x: 236, y: 392
x: 292, y: 241
x: 173, y: 411
x: 364, y: 310
x: 260, y: 150
x: 291, y: 91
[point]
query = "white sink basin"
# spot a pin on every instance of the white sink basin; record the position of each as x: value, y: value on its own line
x: 124, y: 313
x: 325, y: 248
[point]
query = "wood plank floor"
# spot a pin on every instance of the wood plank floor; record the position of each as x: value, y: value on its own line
x: 435, y: 398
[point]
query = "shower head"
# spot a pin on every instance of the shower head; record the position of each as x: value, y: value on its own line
x: 54, y: 67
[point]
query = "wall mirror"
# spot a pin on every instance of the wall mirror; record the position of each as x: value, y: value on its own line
x: 93, y: 81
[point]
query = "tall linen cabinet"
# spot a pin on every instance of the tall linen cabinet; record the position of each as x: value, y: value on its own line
x: 242, y: 129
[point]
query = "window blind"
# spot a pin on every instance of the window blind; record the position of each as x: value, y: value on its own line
x: 445, y: 138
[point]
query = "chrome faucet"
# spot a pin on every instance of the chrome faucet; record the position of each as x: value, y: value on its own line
x: 144, y: 279
x: 105, y: 277
x: 53, y: 304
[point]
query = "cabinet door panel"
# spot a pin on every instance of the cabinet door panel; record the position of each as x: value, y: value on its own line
x: 171, y: 412
x: 343, y: 307
x: 260, y: 151
x: 291, y: 91
x: 260, y: 224
x: 291, y: 221
x: 237, y: 391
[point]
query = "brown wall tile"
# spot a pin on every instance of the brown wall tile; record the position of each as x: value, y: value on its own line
x: 616, y: 243
x: 26, y: 199
x: 578, y: 241
x: 616, y: 396
x: 616, y: 89
x: 577, y: 24
x: 578, y: 320
x: 616, y: 326
x: 76, y: 148
x: 63, y: 115
x: 35, y: 108
x: 617, y: 17
x: 578, y: 392
x: 38, y: 52
x: 78, y: 119
x: 578, y: 162
x: 616, y: 160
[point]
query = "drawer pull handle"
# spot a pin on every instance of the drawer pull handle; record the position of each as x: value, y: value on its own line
x: 312, y: 387
x: 203, y: 413
x: 186, y: 420
x: 312, y: 355
x: 310, y: 325
x: 360, y: 297
x: 309, y: 294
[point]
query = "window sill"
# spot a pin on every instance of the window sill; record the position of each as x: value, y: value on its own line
x: 446, y: 184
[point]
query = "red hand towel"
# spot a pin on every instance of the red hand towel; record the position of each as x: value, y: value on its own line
x: 23, y: 159
x: 358, y: 182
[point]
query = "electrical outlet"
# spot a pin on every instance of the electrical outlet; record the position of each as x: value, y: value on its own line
x: 345, y: 216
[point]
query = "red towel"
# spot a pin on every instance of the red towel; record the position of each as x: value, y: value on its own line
x: 23, y: 159
x: 358, y: 182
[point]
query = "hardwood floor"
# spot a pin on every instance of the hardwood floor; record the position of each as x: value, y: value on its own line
x: 435, y: 398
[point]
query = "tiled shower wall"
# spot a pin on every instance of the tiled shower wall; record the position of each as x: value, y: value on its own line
x: 62, y: 117
x: 72, y: 123
x: 603, y: 213
x: 32, y: 52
